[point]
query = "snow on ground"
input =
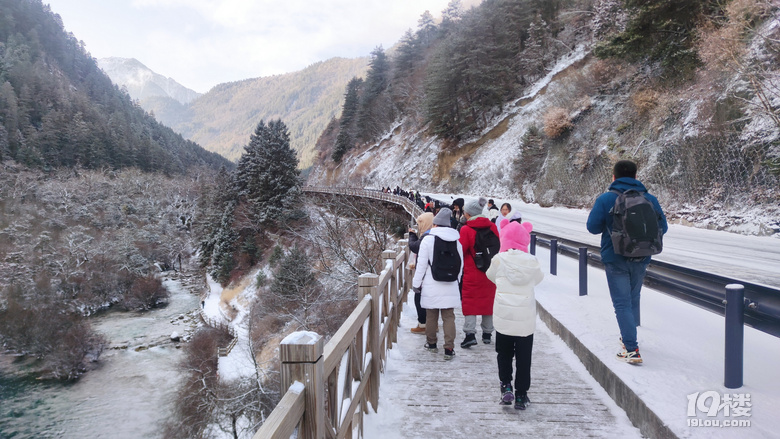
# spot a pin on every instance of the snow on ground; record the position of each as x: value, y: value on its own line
x: 748, y: 258
x: 682, y: 347
x: 238, y: 363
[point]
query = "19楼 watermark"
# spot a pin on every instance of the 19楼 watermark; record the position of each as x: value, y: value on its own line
x: 732, y: 406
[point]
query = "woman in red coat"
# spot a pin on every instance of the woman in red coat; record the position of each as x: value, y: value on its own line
x: 478, y: 291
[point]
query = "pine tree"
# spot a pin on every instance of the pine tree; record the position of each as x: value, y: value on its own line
x: 222, y: 247
x: 537, y: 53
x: 267, y: 174
x: 660, y: 31
x: 451, y: 14
x: 345, y: 138
x: 426, y: 28
x: 374, y: 114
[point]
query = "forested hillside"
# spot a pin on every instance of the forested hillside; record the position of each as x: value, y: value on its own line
x: 222, y: 119
x: 57, y: 108
x: 536, y: 99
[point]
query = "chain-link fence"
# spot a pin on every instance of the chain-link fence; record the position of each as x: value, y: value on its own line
x: 697, y: 172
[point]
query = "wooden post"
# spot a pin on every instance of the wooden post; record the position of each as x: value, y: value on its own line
x: 367, y: 283
x: 407, y: 280
x: 302, y: 361
x: 390, y: 255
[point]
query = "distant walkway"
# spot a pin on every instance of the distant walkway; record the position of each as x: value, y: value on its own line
x: 424, y: 396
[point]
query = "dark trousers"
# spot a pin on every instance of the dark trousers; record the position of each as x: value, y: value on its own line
x: 508, y: 346
x: 421, y: 314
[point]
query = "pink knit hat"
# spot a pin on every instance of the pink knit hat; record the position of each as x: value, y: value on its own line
x: 515, y: 235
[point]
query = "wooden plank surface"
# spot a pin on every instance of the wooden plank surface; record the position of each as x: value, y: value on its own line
x: 424, y: 396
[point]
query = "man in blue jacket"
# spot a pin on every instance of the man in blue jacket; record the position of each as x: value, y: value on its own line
x: 624, y: 275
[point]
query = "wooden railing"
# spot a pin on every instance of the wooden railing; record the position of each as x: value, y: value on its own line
x: 330, y: 386
x: 408, y: 205
x: 224, y: 327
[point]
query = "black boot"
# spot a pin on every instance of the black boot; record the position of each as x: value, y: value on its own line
x: 522, y: 401
x: 469, y: 341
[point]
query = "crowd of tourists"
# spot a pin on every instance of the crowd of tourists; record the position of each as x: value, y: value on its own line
x: 474, y: 255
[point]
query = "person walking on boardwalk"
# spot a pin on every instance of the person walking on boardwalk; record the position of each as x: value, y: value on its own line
x: 439, y: 271
x: 515, y: 273
x: 477, y: 290
x: 625, y: 272
x: 424, y: 223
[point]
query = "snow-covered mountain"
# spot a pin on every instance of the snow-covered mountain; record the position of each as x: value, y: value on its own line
x: 143, y: 83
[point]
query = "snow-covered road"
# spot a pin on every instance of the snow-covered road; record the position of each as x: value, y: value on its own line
x: 749, y: 258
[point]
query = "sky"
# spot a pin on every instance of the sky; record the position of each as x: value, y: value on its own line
x: 202, y: 43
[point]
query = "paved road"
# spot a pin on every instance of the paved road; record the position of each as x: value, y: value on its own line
x: 749, y: 258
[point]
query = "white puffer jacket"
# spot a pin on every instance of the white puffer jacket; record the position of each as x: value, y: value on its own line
x: 435, y: 294
x: 515, y: 274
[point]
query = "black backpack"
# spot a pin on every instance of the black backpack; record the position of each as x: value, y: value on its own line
x: 486, y: 245
x: 445, y: 265
x: 635, y: 231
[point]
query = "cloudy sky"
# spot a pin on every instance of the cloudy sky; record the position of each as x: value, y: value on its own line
x: 201, y: 43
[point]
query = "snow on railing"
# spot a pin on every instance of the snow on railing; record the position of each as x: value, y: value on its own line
x: 341, y: 378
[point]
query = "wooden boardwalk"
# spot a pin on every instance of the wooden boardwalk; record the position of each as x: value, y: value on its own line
x: 424, y: 396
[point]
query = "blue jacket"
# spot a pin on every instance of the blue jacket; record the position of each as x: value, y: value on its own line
x: 600, y: 220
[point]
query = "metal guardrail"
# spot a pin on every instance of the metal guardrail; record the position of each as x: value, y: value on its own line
x: 706, y: 290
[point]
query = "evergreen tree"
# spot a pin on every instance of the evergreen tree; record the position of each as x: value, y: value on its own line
x: 375, y: 112
x: 407, y: 55
x: 222, y: 247
x: 451, y: 14
x: 537, y: 54
x: 295, y: 289
x: 426, y: 28
x: 345, y: 138
x: 661, y: 31
x: 267, y: 174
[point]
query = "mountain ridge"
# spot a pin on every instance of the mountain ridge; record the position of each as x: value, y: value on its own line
x: 142, y: 83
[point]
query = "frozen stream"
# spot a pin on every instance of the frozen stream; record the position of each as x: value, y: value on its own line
x: 127, y: 396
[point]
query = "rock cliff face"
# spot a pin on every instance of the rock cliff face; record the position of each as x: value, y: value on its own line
x: 708, y: 147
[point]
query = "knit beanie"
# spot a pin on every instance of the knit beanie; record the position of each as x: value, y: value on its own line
x: 442, y: 219
x: 424, y: 222
x: 474, y: 207
x: 515, y: 235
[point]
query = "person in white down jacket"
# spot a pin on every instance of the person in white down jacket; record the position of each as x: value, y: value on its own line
x: 439, y: 296
x: 515, y: 273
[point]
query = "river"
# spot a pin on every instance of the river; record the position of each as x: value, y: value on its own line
x: 129, y: 395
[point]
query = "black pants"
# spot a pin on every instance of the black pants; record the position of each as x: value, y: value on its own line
x: 421, y: 313
x: 508, y: 346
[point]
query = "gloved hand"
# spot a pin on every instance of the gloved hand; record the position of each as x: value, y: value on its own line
x: 417, y: 290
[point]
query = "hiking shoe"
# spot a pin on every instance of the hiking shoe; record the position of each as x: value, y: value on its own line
x: 632, y: 357
x: 506, y: 394
x: 486, y: 338
x: 522, y: 401
x: 431, y: 347
x: 418, y: 330
x: 469, y: 341
x: 449, y: 354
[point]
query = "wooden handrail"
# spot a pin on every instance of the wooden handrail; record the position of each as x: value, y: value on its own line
x: 342, y: 380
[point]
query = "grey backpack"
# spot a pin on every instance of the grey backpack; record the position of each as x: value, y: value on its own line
x: 635, y: 230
